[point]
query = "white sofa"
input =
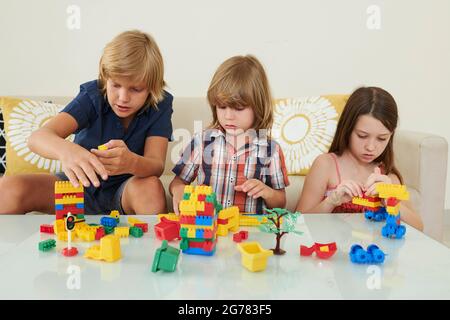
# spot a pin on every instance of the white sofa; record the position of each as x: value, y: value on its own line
x: 420, y: 157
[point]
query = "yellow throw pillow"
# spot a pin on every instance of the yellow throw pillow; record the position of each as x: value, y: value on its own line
x: 22, y: 117
x: 304, y: 127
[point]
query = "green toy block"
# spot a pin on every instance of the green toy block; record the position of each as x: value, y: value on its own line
x: 47, y: 245
x: 184, y: 244
x: 186, y: 196
x: 136, y: 232
x: 183, y: 232
x: 108, y: 230
x: 80, y: 216
x: 166, y: 258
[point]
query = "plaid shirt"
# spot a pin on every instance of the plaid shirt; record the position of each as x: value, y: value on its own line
x: 214, y: 162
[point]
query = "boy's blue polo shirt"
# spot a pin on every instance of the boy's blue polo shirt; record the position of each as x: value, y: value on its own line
x: 97, y: 124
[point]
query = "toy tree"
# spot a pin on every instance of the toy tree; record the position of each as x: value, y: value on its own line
x: 280, y: 222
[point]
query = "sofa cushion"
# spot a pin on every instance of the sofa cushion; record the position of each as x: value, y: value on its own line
x: 21, y: 118
x: 304, y: 127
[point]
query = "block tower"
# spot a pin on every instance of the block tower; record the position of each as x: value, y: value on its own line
x: 67, y: 199
x: 393, y: 194
x: 198, y: 220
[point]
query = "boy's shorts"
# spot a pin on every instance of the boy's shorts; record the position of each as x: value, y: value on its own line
x: 101, y: 202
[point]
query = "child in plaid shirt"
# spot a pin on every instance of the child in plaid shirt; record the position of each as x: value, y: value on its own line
x: 235, y: 155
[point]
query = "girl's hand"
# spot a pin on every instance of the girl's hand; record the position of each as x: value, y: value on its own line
x: 80, y: 165
x: 375, y: 178
x: 116, y: 159
x: 254, y: 188
x: 345, y: 191
x: 176, y: 199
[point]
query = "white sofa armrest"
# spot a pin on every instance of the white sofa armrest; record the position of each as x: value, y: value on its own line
x: 422, y: 161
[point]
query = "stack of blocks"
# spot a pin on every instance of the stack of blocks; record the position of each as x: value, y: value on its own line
x: 198, y: 220
x: 67, y: 199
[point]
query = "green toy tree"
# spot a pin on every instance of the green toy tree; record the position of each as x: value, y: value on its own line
x: 280, y: 222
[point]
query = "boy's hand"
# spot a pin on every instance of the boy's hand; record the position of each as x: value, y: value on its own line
x: 116, y: 159
x: 375, y: 178
x: 80, y: 165
x: 254, y: 188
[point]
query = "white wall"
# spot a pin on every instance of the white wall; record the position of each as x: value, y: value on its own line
x: 308, y: 47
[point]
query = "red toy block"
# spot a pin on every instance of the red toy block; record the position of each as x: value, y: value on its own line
x: 222, y: 221
x: 237, y: 237
x: 207, y: 234
x: 392, y: 202
x: 209, y: 209
x: 100, y: 233
x: 47, y: 228
x: 143, y: 226
x: 244, y: 235
x: 70, y: 252
x: 316, y: 247
x: 167, y: 230
x: 201, y: 197
x: 187, y: 219
x: 61, y: 195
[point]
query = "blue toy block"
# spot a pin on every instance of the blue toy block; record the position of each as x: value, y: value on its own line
x: 199, y: 233
x: 59, y: 206
x: 373, y: 255
x: 377, y: 216
x: 203, y: 221
x: 80, y: 205
x: 393, y: 229
x: 199, y: 251
x: 108, y: 222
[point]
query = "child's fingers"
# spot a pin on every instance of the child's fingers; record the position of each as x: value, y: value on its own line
x: 91, y: 175
x: 99, y: 168
x: 370, y: 181
x: 175, y: 206
x: 81, y: 176
x: 72, y: 178
x: 372, y: 190
x: 258, y: 194
x: 249, y: 186
x: 238, y: 188
x: 255, y: 190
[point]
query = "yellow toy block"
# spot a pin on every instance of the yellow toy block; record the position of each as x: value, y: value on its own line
x: 393, y: 209
x: 187, y: 206
x: 195, y: 227
x: 206, y: 190
x: 189, y: 189
x: 232, y: 214
x: 69, y: 200
x: 85, y: 235
x: 102, y: 147
x: 365, y: 202
x: 122, y: 232
x: 58, y: 226
x: 324, y: 249
x: 63, y: 236
x: 248, y: 220
x: 191, y: 233
x: 254, y: 257
x: 114, y: 214
x: 200, y: 206
x: 397, y: 191
x: 169, y: 216
x: 67, y: 187
x: 108, y: 250
x: 134, y: 221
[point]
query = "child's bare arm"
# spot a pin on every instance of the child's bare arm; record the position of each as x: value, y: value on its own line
x: 77, y: 163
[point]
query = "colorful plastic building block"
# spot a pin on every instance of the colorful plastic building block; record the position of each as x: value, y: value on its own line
x: 115, y: 214
x: 322, y: 250
x: 167, y: 230
x: 228, y: 220
x: 47, y: 245
x: 108, y: 250
x: 254, y: 257
x: 379, y: 215
x: 240, y: 236
x: 166, y: 258
x: 136, y: 232
x: 69, y: 225
x: 108, y: 222
x: 393, y: 229
x: 252, y: 219
x: 47, y: 228
x: 102, y: 147
x: 122, y: 232
x: 373, y: 255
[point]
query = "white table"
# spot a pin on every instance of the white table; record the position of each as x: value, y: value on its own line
x: 416, y: 267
